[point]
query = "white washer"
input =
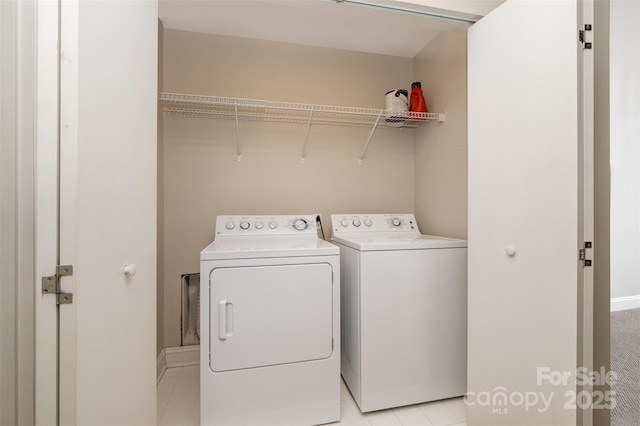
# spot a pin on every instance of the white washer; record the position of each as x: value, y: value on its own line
x: 270, y: 298
x: 404, y: 311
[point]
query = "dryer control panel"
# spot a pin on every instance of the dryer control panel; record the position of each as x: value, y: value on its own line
x: 351, y: 223
x: 266, y: 225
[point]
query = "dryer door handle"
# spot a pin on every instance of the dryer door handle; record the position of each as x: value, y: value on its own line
x: 223, y: 331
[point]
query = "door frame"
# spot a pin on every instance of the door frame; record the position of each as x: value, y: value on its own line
x: 33, y: 70
x: 586, y: 121
x: 17, y: 144
x: 47, y: 215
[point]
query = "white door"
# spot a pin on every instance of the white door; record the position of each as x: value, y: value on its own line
x: 97, y: 116
x: 270, y: 315
x: 527, y: 115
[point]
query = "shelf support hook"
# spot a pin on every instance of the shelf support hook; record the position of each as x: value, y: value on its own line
x: 375, y: 126
x: 235, y: 105
x: 306, y: 139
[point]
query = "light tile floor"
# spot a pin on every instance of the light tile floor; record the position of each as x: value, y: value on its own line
x: 179, y: 405
x: 179, y: 397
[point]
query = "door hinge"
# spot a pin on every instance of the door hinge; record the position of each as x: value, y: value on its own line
x: 51, y: 284
x: 582, y: 37
x: 582, y: 253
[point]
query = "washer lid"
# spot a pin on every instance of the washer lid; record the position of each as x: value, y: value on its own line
x: 396, y: 241
x: 267, y: 246
x: 385, y: 232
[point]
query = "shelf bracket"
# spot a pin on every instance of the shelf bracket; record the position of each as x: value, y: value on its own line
x: 306, y: 139
x: 375, y: 126
x: 235, y: 105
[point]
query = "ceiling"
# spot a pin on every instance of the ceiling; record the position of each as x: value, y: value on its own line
x: 322, y: 23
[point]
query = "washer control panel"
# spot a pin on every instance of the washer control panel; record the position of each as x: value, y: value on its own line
x: 266, y: 225
x: 350, y: 223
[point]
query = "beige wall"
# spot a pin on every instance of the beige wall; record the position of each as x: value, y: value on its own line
x: 203, y: 179
x: 441, y: 148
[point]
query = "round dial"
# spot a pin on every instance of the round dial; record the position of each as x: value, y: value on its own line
x: 368, y: 222
x: 300, y: 224
x: 259, y: 225
x: 230, y: 225
x: 344, y: 223
x: 356, y: 222
x: 273, y: 224
x: 244, y: 225
x: 396, y: 222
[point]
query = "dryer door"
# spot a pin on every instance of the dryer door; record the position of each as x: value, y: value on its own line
x: 270, y: 315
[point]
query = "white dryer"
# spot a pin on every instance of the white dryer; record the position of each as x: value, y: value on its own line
x: 404, y: 311
x: 270, y: 297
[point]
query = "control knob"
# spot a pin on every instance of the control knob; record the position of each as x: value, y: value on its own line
x: 300, y: 225
x: 244, y: 225
x: 230, y: 225
x: 273, y: 224
x: 356, y: 222
x: 344, y: 223
x: 368, y: 222
x: 396, y: 222
x: 259, y: 225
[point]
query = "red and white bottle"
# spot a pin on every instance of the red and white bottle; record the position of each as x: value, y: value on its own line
x: 418, y: 103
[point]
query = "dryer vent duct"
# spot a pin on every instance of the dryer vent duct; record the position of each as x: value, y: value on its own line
x: 190, y: 326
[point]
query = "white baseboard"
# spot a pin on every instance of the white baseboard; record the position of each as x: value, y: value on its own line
x: 177, y: 357
x: 183, y: 356
x: 624, y: 303
x: 161, y: 365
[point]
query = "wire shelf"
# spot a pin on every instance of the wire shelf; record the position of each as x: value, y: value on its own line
x: 217, y: 107
x: 239, y: 109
